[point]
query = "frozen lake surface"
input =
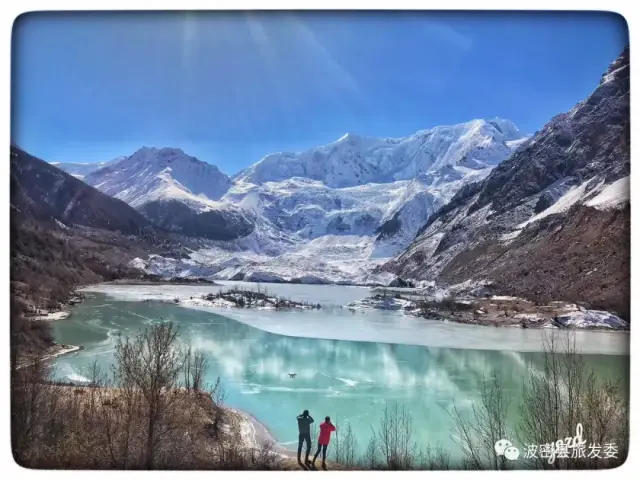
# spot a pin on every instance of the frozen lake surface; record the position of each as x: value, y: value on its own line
x: 337, y: 323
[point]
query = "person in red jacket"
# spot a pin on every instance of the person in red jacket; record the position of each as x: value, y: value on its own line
x: 323, y: 440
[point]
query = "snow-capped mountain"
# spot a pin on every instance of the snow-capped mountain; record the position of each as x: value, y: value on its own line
x: 356, y: 186
x: 329, y: 213
x: 153, y: 174
x: 356, y: 160
x: 550, y: 223
x: 175, y: 191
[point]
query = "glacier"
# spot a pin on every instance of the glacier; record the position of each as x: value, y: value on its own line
x: 329, y: 214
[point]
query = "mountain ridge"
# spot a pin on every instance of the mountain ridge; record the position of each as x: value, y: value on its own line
x: 358, y: 160
x: 46, y: 191
x: 444, y: 157
x: 270, y: 228
x: 580, y: 159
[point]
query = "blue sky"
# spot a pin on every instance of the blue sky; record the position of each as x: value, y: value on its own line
x: 230, y: 88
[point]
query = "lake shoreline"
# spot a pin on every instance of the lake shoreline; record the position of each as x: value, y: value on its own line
x: 495, y: 311
x: 54, y: 351
x: 257, y: 433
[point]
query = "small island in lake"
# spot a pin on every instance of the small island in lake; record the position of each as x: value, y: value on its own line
x: 244, y: 298
x: 491, y: 310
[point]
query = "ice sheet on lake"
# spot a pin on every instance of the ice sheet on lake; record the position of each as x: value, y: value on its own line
x: 374, y: 326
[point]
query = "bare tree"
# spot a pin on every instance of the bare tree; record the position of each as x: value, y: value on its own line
x: 544, y: 397
x: 346, y: 445
x: 200, y: 367
x: 28, y: 402
x: 394, y: 438
x: 605, y: 420
x: 123, y: 423
x: 152, y: 362
x: 369, y: 459
x: 217, y: 393
x: 561, y: 393
x: 476, y: 434
x: 433, y: 458
x: 188, y: 361
x: 264, y: 457
x: 136, y: 418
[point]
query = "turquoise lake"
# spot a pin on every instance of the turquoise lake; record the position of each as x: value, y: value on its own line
x: 348, y: 365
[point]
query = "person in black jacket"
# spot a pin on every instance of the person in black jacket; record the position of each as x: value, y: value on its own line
x: 304, y: 434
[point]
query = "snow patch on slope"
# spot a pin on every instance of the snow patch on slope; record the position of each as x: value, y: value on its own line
x: 612, y: 75
x: 612, y: 195
x: 574, y: 195
x: 591, y: 193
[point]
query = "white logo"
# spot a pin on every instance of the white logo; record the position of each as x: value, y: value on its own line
x: 569, y: 447
x: 506, y: 448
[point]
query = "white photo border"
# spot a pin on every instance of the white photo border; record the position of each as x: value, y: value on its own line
x: 11, y: 10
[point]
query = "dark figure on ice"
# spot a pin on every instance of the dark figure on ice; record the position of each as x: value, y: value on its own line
x: 304, y: 434
x: 323, y: 440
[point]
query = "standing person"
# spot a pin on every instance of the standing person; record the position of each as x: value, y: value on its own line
x: 304, y: 435
x: 323, y: 440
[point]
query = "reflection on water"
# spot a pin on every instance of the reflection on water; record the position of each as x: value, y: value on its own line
x: 350, y: 381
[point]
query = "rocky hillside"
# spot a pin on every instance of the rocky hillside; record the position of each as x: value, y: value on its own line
x: 215, y: 224
x: 65, y: 233
x: 553, y: 220
x: 46, y: 192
